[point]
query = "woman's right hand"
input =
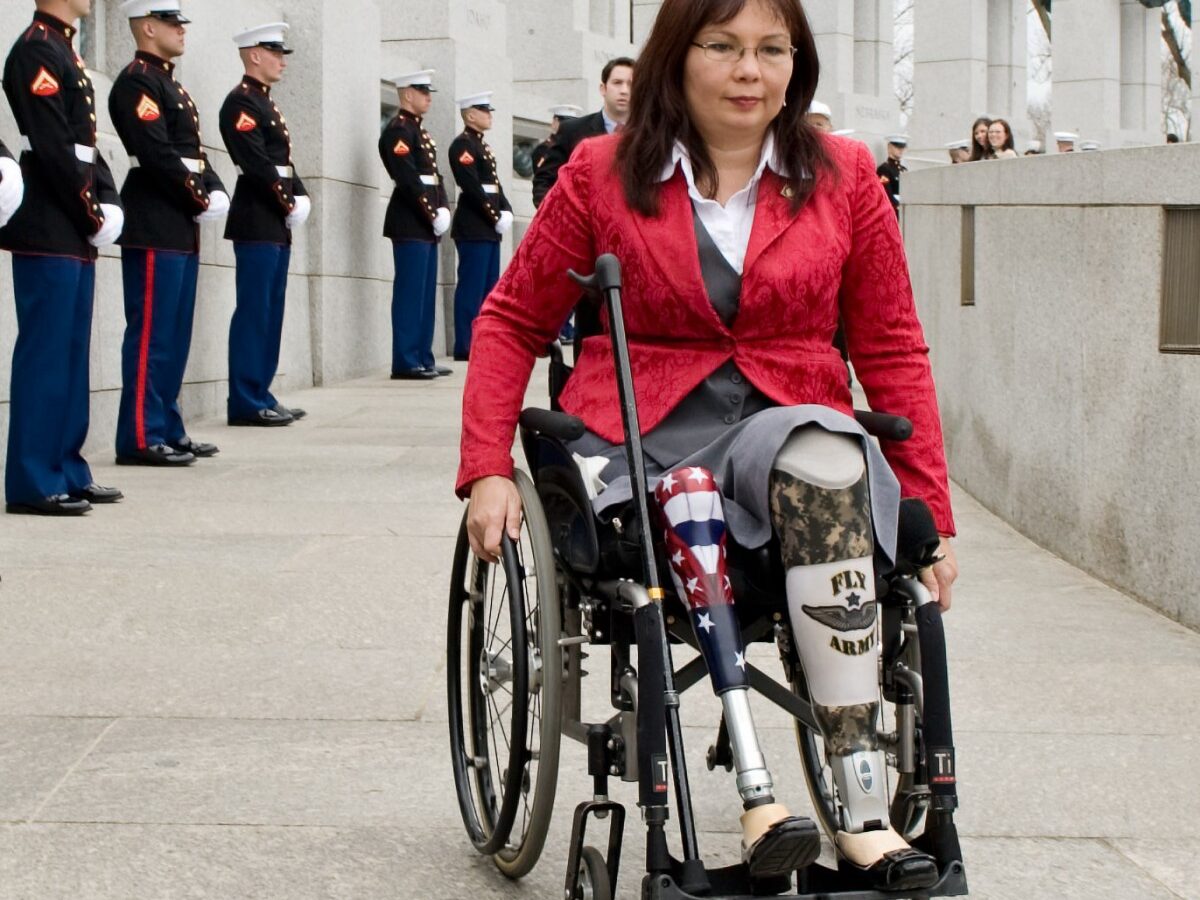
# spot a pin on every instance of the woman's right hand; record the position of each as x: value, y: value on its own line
x: 495, y: 508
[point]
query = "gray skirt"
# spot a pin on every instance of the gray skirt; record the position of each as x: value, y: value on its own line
x: 740, y: 460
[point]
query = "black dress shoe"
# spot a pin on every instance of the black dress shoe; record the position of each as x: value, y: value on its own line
x: 196, y: 448
x: 414, y: 375
x: 158, y: 455
x: 294, y: 411
x: 458, y: 358
x: 266, y: 418
x: 788, y: 845
x: 56, y: 505
x: 899, y: 870
x: 440, y: 370
x: 94, y: 493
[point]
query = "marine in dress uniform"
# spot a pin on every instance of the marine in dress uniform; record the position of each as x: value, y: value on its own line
x: 483, y: 216
x: 171, y: 188
x: 71, y: 208
x: 269, y: 201
x: 892, y: 168
x: 417, y: 216
x: 558, y: 115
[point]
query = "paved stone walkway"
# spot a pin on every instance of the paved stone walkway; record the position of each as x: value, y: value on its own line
x: 231, y: 686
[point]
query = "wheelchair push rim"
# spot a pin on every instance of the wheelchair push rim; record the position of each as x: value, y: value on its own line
x: 504, y: 702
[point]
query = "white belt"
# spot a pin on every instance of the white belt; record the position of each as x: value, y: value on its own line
x: 195, y: 166
x: 284, y: 171
x: 491, y: 188
x: 83, y: 152
x: 429, y: 179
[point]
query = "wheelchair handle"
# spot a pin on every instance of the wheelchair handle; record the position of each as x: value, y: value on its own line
x: 553, y: 424
x: 884, y: 426
x: 607, y: 276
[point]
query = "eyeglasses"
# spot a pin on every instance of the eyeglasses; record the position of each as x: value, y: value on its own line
x: 772, y: 53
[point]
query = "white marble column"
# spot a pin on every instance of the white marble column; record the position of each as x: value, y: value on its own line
x: 1194, y: 62
x: 950, y: 72
x: 832, y: 24
x: 1007, y: 74
x: 1087, y: 68
x: 873, y: 26
x: 1141, y: 73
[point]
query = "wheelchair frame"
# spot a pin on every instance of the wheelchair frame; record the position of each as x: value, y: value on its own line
x: 642, y: 742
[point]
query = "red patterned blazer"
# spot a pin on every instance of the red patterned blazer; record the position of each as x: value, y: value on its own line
x: 841, y: 253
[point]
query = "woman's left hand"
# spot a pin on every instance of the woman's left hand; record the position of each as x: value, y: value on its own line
x: 939, y: 577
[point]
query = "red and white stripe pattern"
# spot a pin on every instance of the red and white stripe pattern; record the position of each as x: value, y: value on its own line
x: 695, y: 544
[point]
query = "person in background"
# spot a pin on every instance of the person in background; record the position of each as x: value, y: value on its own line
x: 1172, y: 138
x: 980, y: 148
x: 820, y: 117
x: 1001, y: 140
x: 1065, y: 141
x: 171, y: 188
x: 892, y: 168
x: 71, y: 209
x: 960, y: 151
x: 558, y: 114
x: 1034, y: 148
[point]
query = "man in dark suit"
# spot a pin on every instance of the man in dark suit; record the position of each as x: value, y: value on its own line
x: 71, y: 208
x: 482, y: 218
x: 268, y: 202
x: 170, y: 190
x: 616, y: 83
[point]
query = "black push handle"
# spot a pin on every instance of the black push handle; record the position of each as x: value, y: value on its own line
x: 607, y: 276
x: 559, y: 425
x: 884, y: 426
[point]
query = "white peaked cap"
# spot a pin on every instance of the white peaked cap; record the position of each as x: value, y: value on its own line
x: 136, y: 9
x: 273, y: 33
x: 420, y: 78
x: 481, y: 99
x: 842, y: 132
x: 900, y: 140
x: 1089, y: 145
x: 1067, y: 137
x: 817, y: 108
x: 567, y: 111
x: 958, y: 145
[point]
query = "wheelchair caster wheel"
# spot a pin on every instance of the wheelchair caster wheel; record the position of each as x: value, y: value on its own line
x: 594, y: 883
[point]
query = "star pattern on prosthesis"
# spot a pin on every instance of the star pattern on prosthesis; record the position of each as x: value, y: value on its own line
x: 705, y: 621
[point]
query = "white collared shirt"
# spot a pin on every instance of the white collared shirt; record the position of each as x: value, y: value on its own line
x: 610, y: 125
x: 729, y: 226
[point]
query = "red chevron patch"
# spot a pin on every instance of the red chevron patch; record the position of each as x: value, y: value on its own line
x: 147, y: 110
x: 44, y: 85
x: 245, y: 122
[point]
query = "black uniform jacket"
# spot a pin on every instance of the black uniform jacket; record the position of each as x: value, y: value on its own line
x: 889, y: 176
x: 171, y: 181
x: 66, y: 178
x: 538, y: 155
x: 570, y: 135
x: 410, y: 156
x: 480, y: 197
x: 256, y: 136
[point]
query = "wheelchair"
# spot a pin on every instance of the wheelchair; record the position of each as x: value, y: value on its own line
x: 516, y: 638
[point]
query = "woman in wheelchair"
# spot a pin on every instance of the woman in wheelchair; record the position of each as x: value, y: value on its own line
x: 743, y: 235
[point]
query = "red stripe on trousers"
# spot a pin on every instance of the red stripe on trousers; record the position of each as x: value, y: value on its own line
x: 139, y: 413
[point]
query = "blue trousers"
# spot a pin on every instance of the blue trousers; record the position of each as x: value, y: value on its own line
x: 48, y: 412
x: 256, y: 329
x: 160, y: 304
x: 414, y: 304
x: 478, y: 271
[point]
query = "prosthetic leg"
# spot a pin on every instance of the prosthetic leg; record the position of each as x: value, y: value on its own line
x: 820, y: 505
x: 774, y: 842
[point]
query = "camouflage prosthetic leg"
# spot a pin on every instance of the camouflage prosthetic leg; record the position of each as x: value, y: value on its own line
x: 775, y: 842
x: 821, y: 509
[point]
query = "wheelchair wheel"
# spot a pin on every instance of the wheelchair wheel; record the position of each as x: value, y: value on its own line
x: 504, y: 673
x: 908, y: 799
x: 594, y: 883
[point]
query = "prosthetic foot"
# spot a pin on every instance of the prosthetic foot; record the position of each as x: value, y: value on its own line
x: 777, y: 843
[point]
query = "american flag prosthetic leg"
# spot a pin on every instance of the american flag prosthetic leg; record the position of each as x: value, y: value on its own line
x: 774, y: 842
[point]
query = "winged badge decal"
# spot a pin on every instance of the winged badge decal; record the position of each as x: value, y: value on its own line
x: 840, y: 618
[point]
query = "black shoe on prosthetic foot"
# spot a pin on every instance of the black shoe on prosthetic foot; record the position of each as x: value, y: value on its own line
x: 900, y: 870
x: 788, y: 845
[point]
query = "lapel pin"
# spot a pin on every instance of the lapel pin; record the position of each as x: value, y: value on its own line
x: 788, y: 191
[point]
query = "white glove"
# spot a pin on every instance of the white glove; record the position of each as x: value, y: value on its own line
x: 299, y: 214
x: 218, y: 206
x: 114, y: 222
x: 505, y: 223
x: 12, y: 189
x: 441, y: 222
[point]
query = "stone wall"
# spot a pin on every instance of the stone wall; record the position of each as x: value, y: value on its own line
x: 1061, y: 414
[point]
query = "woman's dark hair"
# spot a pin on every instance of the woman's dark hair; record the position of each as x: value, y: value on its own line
x: 984, y: 150
x: 1008, y: 138
x: 658, y: 110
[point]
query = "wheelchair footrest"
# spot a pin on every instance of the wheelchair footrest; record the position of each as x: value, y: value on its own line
x: 818, y: 883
